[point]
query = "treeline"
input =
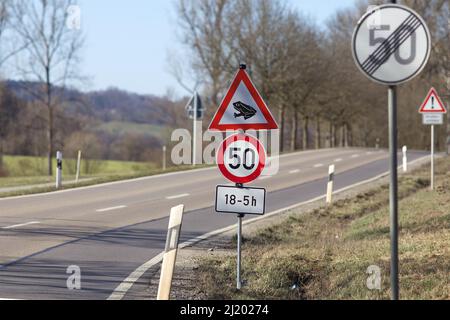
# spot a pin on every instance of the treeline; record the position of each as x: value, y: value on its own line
x: 306, y: 72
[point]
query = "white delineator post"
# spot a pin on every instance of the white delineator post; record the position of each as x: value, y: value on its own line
x: 170, y: 252
x: 330, y: 183
x: 405, y: 159
x: 77, y: 176
x: 58, y: 169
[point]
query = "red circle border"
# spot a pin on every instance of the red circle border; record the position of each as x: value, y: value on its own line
x: 261, y: 153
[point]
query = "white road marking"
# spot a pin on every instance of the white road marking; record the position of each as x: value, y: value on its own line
x: 355, y: 156
x: 294, y: 171
x: 121, y: 290
x: 318, y: 165
x: 21, y: 225
x: 338, y: 160
x: 178, y: 196
x: 110, y: 209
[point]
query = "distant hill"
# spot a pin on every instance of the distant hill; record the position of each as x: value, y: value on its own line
x: 110, y: 105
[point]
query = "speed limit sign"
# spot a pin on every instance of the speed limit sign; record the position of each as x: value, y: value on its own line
x: 241, y: 158
x: 391, y: 44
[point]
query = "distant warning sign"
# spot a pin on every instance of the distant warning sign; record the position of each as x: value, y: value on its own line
x: 243, y: 108
x: 432, y: 103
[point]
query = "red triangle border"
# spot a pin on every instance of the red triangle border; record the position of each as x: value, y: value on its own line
x: 242, y: 76
x: 439, y: 101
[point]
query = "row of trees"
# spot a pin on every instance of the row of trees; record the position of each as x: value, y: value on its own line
x: 37, y: 43
x: 307, y: 72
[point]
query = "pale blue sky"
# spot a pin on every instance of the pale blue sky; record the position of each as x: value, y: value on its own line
x: 127, y: 42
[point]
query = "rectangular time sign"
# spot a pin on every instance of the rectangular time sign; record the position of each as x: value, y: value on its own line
x: 231, y: 199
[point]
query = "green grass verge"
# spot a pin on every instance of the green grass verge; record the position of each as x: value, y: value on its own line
x: 325, y: 253
x: 29, y: 171
x: 93, y: 180
x: 28, y: 166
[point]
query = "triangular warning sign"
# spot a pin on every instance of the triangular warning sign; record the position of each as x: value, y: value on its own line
x: 432, y: 103
x: 242, y: 108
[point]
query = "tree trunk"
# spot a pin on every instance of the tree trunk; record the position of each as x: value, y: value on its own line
x: 281, y: 117
x: 330, y: 135
x: 1, y: 156
x: 346, y: 135
x: 305, y: 134
x: 48, y: 88
x: 294, y: 132
x: 318, y: 134
x: 50, y: 141
x: 350, y: 135
x: 335, y: 136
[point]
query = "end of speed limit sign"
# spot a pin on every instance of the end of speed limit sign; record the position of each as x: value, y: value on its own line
x: 391, y: 44
x: 241, y: 158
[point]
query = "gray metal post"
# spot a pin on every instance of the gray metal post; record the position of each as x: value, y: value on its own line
x: 239, y: 243
x: 164, y: 148
x: 432, y: 158
x: 194, y: 133
x: 393, y: 191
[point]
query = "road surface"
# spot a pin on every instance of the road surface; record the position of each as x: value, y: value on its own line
x: 110, y: 230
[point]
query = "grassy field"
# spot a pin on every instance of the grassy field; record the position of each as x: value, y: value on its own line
x: 30, y: 171
x: 325, y: 253
x: 35, y: 166
x: 24, y: 170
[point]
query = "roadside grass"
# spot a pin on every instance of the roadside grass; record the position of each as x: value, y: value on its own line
x: 29, y: 171
x: 29, y: 166
x: 325, y: 253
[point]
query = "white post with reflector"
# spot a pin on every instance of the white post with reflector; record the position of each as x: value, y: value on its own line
x: 58, y: 169
x: 331, y: 170
x: 77, y: 175
x: 170, y: 254
x: 405, y: 159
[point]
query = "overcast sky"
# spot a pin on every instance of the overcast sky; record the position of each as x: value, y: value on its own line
x: 128, y: 41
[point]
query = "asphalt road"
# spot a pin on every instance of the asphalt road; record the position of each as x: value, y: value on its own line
x: 110, y: 230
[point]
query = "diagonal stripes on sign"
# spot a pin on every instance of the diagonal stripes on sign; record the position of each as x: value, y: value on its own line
x: 391, y: 44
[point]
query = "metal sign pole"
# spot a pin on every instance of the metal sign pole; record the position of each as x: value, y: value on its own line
x: 239, y: 244
x: 432, y: 158
x: 393, y: 190
x: 164, y: 148
x: 194, y: 133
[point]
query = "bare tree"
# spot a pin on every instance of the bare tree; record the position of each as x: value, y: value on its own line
x: 51, y: 55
